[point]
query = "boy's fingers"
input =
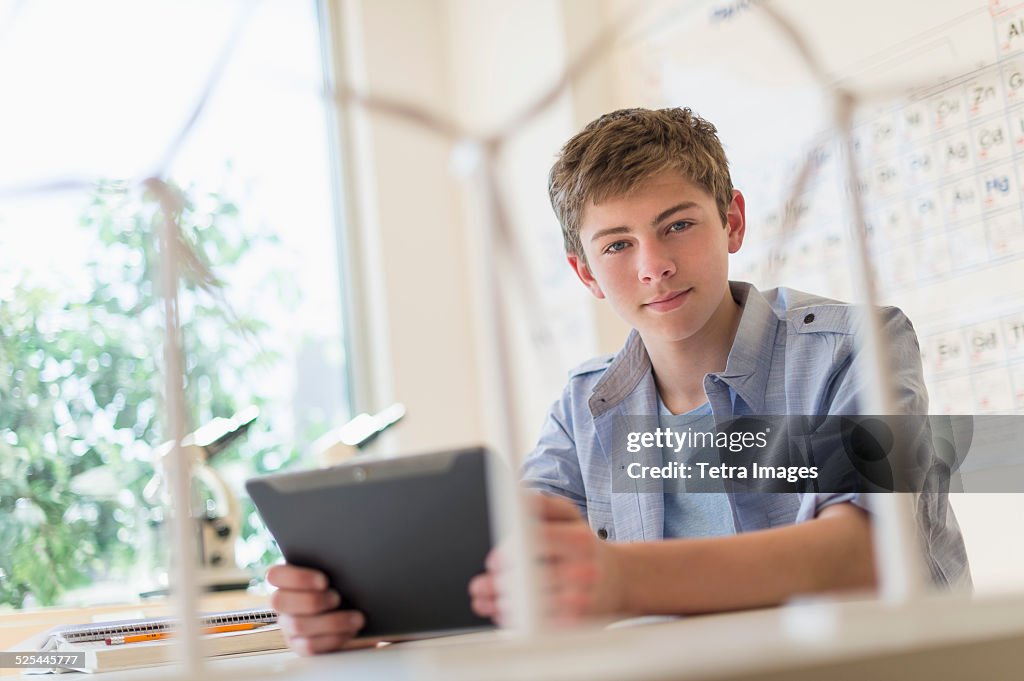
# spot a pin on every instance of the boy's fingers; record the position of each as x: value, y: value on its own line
x: 304, y: 602
x: 483, y: 595
x: 572, y: 604
x: 563, y: 538
x: 583, y: 574
x: 493, y: 561
x: 484, y: 607
x: 483, y: 586
x: 561, y: 542
x: 294, y: 577
x: 556, y: 508
x: 341, y: 622
x: 314, y: 645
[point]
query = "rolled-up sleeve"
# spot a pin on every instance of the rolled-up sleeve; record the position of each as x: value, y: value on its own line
x: 553, y: 466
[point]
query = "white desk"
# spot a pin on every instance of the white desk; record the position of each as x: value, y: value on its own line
x: 942, y: 639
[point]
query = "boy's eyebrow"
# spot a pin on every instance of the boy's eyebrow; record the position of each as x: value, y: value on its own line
x: 611, y: 230
x: 661, y: 216
x: 665, y: 213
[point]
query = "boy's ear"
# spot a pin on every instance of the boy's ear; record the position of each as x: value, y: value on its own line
x: 736, y: 220
x: 579, y: 266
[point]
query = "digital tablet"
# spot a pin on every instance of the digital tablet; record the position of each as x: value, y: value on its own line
x: 398, y: 538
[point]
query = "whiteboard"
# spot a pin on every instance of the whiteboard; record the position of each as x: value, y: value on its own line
x: 939, y: 139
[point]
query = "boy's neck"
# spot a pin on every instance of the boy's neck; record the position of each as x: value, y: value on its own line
x: 680, y: 366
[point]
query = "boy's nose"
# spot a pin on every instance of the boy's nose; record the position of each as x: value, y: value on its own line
x: 655, y: 266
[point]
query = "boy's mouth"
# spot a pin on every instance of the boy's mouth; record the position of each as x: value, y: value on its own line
x: 668, y: 301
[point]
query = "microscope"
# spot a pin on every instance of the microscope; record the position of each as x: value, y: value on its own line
x: 215, y: 511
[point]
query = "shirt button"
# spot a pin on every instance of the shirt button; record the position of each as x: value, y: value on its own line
x: 602, y: 533
x: 809, y: 318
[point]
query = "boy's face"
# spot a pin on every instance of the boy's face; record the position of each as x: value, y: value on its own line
x: 660, y: 255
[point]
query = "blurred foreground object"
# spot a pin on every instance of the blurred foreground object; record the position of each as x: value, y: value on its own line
x: 344, y: 442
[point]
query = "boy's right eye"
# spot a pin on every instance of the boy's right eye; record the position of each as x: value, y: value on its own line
x: 616, y: 246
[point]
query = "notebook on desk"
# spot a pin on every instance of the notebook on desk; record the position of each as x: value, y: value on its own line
x: 103, y: 648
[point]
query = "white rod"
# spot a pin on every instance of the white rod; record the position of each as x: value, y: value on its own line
x: 183, y: 557
x: 898, y: 559
x: 519, y: 574
x: 511, y: 519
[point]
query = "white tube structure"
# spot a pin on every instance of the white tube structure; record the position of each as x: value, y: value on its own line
x: 898, y: 559
x: 510, y: 519
x: 183, y: 556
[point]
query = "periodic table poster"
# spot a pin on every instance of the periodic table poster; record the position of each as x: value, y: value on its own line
x: 939, y: 147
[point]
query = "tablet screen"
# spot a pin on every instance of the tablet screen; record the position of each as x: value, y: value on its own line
x: 399, y: 538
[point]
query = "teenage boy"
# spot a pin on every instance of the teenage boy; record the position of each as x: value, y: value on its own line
x: 649, y: 217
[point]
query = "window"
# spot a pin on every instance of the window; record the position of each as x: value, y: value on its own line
x: 97, y: 95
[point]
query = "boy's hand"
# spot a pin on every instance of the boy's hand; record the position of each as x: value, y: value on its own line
x: 580, y: 574
x: 307, y: 611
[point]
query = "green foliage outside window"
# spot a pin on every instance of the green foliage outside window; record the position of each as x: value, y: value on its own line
x: 81, y: 389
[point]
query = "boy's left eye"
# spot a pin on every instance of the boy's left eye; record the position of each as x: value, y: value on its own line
x: 679, y: 226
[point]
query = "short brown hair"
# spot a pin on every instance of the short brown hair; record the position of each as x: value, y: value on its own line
x: 616, y: 153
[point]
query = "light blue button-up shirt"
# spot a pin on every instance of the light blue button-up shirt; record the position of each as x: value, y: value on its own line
x: 793, y: 354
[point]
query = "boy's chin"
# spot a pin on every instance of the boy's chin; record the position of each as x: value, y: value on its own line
x: 675, y: 331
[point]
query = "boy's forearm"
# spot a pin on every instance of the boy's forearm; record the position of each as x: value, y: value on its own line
x: 831, y: 552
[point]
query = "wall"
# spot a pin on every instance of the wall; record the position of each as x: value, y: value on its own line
x: 407, y: 250
x: 418, y: 260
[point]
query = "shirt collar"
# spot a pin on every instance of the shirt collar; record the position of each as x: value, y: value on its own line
x: 750, y: 359
x: 747, y: 366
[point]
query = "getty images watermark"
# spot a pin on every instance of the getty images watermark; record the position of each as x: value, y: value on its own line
x: 818, y: 454
x: 685, y: 440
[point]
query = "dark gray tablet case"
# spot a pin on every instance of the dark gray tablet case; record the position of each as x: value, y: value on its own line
x: 398, y: 538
